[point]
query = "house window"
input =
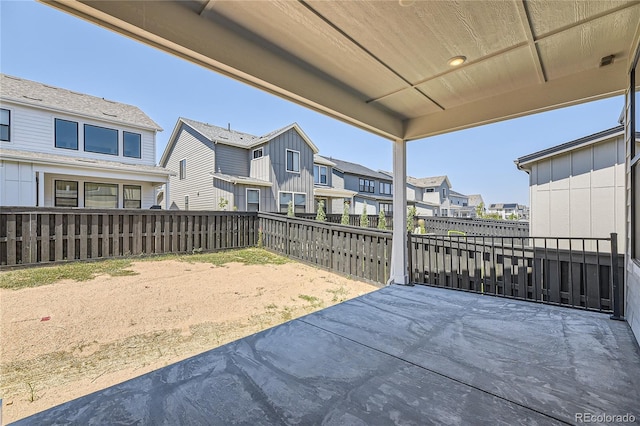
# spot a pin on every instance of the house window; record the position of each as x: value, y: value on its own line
x: 183, y: 169
x: 186, y: 202
x: 66, y: 134
x: 293, y: 161
x: 320, y: 175
x: 101, y: 195
x: 385, y: 188
x: 132, y: 197
x: 387, y: 208
x: 444, y: 192
x: 299, y: 202
x: 131, y: 145
x: 66, y: 193
x: 429, y: 190
x: 5, y: 125
x: 253, y: 200
x: 100, y: 140
x: 367, y: 185
x: 256, y: 153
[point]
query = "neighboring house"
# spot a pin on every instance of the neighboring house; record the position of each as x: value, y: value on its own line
x: 508, y: 211
x: 224, y: 169
x: 576, y: 189
x: 332, y: 197
x: 60, y: 148
x: 373, y: 189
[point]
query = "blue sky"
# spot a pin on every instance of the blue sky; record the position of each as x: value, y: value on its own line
x: 40, y: 43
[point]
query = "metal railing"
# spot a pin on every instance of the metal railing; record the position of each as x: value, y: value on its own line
x: 575, y: 272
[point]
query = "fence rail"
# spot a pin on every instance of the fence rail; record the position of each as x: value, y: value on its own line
x: 361, y: 253
x: 487, y: 227
x: 44, y: 235
x: 575, y: 272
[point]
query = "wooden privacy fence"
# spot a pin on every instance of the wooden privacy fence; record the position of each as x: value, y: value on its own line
x: 574, y: 272
x: 362, y: 253
x: 487, y: 227
x: 42, y: 235
x: 354, y: 219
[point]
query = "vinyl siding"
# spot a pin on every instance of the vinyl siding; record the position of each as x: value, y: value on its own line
x: 33, y: 129
x: 199, y: 184
x: 231, y: 160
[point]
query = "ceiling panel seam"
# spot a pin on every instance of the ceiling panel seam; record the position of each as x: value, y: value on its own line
x: 527, y: 25
x: 368, y: 52
x: 538, y: 38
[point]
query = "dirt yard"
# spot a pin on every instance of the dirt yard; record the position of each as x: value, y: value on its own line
x: 68, y: 339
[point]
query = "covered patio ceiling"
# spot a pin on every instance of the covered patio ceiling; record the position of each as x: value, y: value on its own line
x: 383, y: 65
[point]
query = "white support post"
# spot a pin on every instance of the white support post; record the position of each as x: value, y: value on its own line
x: 167, y: 203
x: 399, y: 258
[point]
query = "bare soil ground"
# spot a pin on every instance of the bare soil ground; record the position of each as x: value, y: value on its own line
x: 68, y: 339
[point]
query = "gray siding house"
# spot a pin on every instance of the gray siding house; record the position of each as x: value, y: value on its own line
x: 371, y: 188
x: 324, y: 190
x: 224, y: 169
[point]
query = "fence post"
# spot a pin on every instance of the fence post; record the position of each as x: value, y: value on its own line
x: 410, y: 258
x: 618, y: 290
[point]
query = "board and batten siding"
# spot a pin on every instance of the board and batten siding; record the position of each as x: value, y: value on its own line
x: 288, y: 181
x: 17, y: 184
x: 260, y: 168
x: 199, y: 183
x: 580, y: 193
x: 33, y: 130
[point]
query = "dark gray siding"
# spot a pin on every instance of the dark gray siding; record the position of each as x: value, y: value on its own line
x: 231, y: 160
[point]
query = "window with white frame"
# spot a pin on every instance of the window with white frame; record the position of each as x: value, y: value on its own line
x: 293, y: 161
x: 183, y: 169
x: 257, y: 153
x: 367, y: 185
x: 387, y: 208
x: 132, y: 145
x: 320, y: 174
x: 66, y: 134
x: 132, y: 196
x: 66, y: 193
x: 101, y: 140
x: 5, y: 125
x: 444, y: 192
x: 186, y: 202
x: 253, y: 200
x: 385, y: 188
x: 299, y: 202
x: 101, y: 195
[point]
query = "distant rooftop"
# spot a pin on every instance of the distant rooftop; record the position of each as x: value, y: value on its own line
x: 42, y: 95
x: 357, y: 169
x: 428, y: 182
x: 222, y: 134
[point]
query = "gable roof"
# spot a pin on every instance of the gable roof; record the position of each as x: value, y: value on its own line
x: 456, y: 194
x: 475, y: 199
x: 357, y: 169
x: 231, y: 137
x: 571, y: 145
x: 318, y: 159
x: 41, y: 95
x: 428, y: 182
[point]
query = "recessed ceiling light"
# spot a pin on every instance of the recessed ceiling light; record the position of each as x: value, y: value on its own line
x: 457, y: 61
x: 406, y: 3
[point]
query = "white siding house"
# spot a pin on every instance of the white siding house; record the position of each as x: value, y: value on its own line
x: 577, y: 189
x: 66, y: 149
